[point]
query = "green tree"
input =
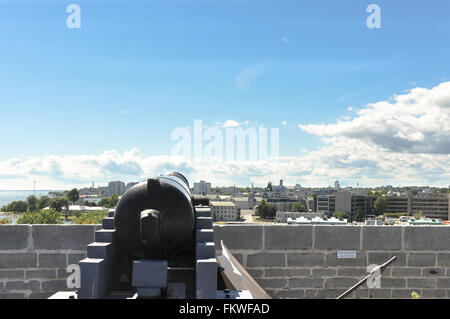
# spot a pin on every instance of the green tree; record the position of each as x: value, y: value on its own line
x: 418, y: 215
x: 73, y: 195
x: 340, y: 215
x: 58, y: 203
x: 381, y: 204
x: 299, y: 207
x: 266, y: 210
x: 43, y: 202
x: 32, y: 203
x: 18, y: 206
x: 48, y: 216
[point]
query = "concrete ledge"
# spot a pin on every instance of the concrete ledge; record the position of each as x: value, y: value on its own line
x: 337, y: 237
x: 239, y: 236
x: 427, y: 238
x: 14, y: 237
x: 62, y: 237
x: 382, y: 238
x: 288, y: 237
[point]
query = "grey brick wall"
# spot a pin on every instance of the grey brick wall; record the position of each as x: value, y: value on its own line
x: 34, y: 259
x: 296, y: 261
x: 289, y: 261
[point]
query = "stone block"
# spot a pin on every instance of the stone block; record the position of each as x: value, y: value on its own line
x: 266, y: 260
x: 14, y: 237
x: 421, y: 259
x: 62, y: 237
x: 108, y: 223
x: 150, y: 273
x: 52, y: 260
x: 433, y: 272
x: 256, y: 273
x: 433, y: 293
x: 290, y: 294
x: 403, y: 293
x: 104, y: 235
x: 18, y: 260
x: 382, y: 238
x: 202, y: 211
x: 288, y: 237
x: 323, y: 272
x: 272, y: 283
x: 380, y: 293
x: 206, y: 250
x: 422, y: 238
x: 444, y: 260
x: 353, y: 272
x: 22, y: 285
x: 389, y: 282
x: 305, y: 283
x: 203, y: 223
x: 41, y: 274
x: 421, y: 283
x: 443, y: 283
x: 239, y: 237
x: 12, y: 274
x: 206, y: 278
x: 99, y: 250
x: 12, y: 295
x: 204, y: 235
x: 379, y: 258
x: 337, y: 237
x: 305, y: 259
x: 94, y: 280
x: 406, y: 272
x: 54, y: 285
x: 340, y: 282
x: 149, y: 292
x: 287, y: 272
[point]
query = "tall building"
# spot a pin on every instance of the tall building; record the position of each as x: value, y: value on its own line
x: 337, y: 186
x: 202, y: 188
x: 116, y: 188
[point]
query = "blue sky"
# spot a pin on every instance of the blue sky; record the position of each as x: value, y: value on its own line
x: 136, y: 70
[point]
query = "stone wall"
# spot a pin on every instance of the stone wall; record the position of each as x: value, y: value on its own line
x: 34, y: 259
x: 289, y: 261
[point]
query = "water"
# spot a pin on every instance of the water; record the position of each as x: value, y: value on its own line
x: 7, y: 197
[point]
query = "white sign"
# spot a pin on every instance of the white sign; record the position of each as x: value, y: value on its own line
x: 346, y: 254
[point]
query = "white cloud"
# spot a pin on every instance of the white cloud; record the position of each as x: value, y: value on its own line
x: 285, y: 39
x: 415, y: 122
x: 284, y: 123
x: 248, y: 75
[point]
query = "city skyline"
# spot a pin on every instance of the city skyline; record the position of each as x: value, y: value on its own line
x: 354, y: 104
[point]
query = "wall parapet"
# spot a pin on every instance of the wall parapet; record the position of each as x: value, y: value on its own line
x: 289, y: 261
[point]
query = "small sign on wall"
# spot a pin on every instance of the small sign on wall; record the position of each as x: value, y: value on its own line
x: 341, y: 254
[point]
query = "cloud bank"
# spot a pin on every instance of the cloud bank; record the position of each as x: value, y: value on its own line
x: 402, y: 141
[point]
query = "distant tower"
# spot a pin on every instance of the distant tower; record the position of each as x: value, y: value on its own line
x: 281, y: 182
x: 337, y: 186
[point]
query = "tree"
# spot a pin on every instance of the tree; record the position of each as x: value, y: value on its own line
x: 49, y: 216
x: 381, y: 204
x: 73, y: 195
x: 43, y: 202
x: 32, y: 203
x: 340, y: 215
x: 18, y: 206
x: 299, y: 207
x: 265, y: 210
x: 58, y: 203
x: 418, y: 215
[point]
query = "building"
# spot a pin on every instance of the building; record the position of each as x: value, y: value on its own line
x: 242, y: 202
x: 224, y: 211
x: 202, y: 188
x: 337, y: 186
x: 282, y: 217
x: 116, y: 188
x: 325, y: 204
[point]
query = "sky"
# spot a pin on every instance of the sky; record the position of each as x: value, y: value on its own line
x: 365, y: 106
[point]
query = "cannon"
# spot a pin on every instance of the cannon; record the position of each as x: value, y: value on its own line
x: 159, y: 243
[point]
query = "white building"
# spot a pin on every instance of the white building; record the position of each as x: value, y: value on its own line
x: 224, y: 211
x: 241, y: 202
x: 202, y: 188
x: 116, y: 188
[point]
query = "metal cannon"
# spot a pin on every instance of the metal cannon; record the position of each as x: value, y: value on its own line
x: 159, y: 243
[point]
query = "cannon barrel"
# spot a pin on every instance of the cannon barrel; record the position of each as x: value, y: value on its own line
x: 155, y: 219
